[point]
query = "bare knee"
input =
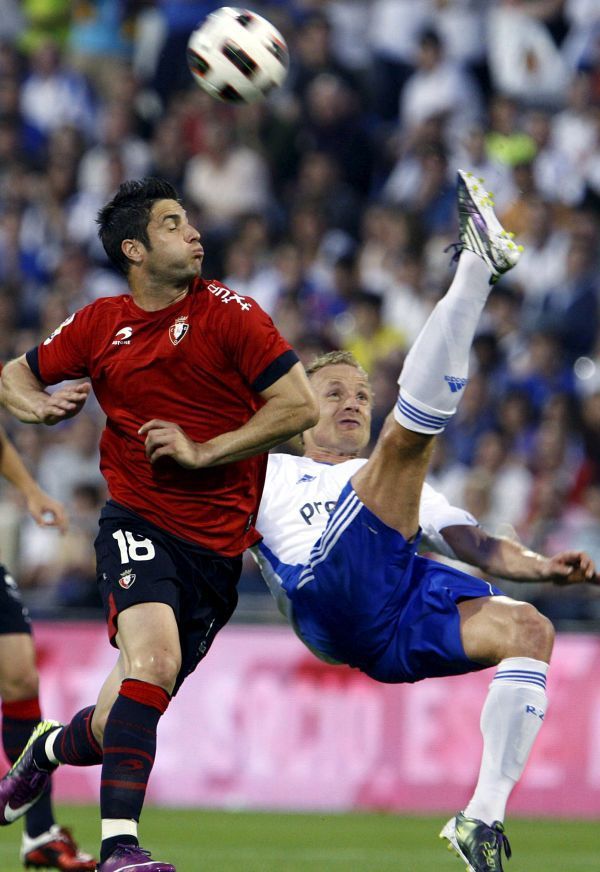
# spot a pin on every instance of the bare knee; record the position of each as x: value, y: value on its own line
x: 156, y: 667
x: 529, y: 633
x: 494, y: 628
x: 19, y: 685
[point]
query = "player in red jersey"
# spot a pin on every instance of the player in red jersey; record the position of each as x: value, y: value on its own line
x: 196, y: 384
x: 45, y: 845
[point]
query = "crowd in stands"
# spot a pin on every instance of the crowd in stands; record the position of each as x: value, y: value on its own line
x: 332, y: 205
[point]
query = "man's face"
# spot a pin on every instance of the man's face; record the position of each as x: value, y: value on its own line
x: 344, y: 398
x: 176, y: 254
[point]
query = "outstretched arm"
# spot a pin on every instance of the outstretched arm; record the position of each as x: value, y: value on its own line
x: 508, y: 559
x: 290, y: 408
x: 44, y: 510
x: 27, y: 399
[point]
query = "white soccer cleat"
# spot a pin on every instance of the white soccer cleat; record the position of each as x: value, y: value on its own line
x: 479, y: 228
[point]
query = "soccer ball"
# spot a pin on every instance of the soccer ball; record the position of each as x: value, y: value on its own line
x: 237, y: 56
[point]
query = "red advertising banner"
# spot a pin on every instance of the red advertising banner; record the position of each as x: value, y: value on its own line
x: 263, y: 724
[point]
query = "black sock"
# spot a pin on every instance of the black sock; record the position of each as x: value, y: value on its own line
x: 18, y: 722
x: 129, y: 748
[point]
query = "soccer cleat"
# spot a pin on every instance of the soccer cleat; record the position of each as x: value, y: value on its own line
x: 55, y: 849
x: 479, y: 229
x: 479, y: 845
x: 24, y: 783
x: 128, y: 858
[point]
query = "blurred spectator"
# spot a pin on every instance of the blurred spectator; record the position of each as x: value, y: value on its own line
x: 333, y: 125
x: 226, y: 180
x: 54, y: 94
x: 99, y: 43
x: 545, y: 372
x: 569, y: 309
x: 525, y: 62
x: 44, y: 19
x: 395, y: 26
x: 507, y: 482
x: 421, y: 183
x: 557, y: 177
x: 440, y: 88
x: 369, y: 338
x: 313, y: 58
x: 117, y: 141
x: 544, y: 260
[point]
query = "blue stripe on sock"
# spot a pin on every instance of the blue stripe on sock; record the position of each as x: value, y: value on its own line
x: 418, y: 416
x: 521, y: 676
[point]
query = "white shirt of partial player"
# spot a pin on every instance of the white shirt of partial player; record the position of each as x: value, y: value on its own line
x: 300, y: 494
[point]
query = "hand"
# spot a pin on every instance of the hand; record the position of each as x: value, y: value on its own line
x: 571, y: 567
x: 165, y: 439
x: 47, y: 512
x: 64, y: 403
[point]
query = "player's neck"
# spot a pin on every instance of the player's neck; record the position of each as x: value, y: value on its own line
x: 326, y: 455
x: 152, y: 298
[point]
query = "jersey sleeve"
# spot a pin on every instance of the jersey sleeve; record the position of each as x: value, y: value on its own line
x: 259, y: 351
x: 436, y: 512
x: 63, y: 354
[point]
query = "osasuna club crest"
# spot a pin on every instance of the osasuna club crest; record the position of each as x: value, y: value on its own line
x: 127, y: 578
x: 178, y: 330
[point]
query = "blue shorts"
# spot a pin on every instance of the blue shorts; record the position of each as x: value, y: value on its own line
x: 367, y: 599
x: 14, y: 617
x: 137, y: 562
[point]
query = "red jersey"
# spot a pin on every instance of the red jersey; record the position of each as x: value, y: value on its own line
x: 200, y: 363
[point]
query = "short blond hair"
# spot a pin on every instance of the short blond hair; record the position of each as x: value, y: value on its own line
x: 333, y: 358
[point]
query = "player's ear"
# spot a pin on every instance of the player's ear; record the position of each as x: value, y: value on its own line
x: 133, y: 250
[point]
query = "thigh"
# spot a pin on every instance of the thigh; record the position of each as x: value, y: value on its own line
x: 391, y: 481
x: 347, y: 599
x: 427, y: 641
x: 134, y: 566
x: 14, y: 617
x: 18, y: 671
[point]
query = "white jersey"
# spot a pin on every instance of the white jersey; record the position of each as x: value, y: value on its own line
x: 298, y: 497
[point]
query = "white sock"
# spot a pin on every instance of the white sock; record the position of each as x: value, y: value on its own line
x: 435, y: 370
x: 49, y: 745
x: 511, y: 718
x: 112, y: 827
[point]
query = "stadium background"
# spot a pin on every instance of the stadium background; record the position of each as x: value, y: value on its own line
x: 331, y: 205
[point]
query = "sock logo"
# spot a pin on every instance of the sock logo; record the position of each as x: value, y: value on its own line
x: 455, y: 383
x: 131, y: 763
x: 532, y: 710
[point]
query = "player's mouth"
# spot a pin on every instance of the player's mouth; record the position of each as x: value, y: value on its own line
x: 349, y: 423
x: 198, y: 253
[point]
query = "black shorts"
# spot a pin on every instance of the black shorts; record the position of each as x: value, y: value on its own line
x: 137, y: 562
x: 14, y: 617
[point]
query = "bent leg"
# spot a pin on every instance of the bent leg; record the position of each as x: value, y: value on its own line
x: 519, y: 639
x: 21, y: 713
x: 493, y: 628
x: 431, y: 385
x: 150, y: 660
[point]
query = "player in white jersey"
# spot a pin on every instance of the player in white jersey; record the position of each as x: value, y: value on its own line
x: 341, y: 536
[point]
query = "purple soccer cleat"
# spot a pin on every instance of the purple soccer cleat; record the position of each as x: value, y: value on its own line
x: 128, y: 858
x: 23, y: 785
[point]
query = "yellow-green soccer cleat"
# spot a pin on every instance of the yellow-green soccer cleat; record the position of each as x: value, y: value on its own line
x: 478, y: 844
x: 23, y: 785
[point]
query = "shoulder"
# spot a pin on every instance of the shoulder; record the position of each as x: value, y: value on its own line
x: 223, y: 301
